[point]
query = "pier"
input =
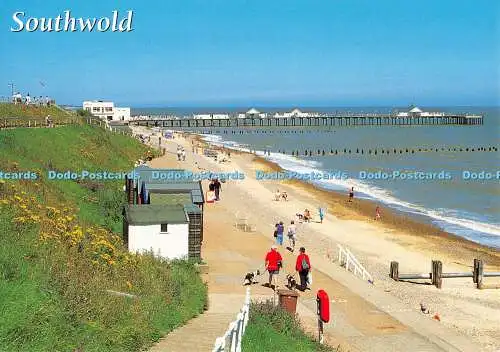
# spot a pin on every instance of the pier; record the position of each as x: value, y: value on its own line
x: 338, y: 120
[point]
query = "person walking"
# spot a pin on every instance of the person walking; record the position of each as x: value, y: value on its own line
x: 183, y: 152
x: 351, y: 194
x: 321, y: 212
x: 303, y: 267
x: 217, y: 188
x: 280, y: 230
x: 179, y: 153
x: 292, y: 231
x: 273, y: 263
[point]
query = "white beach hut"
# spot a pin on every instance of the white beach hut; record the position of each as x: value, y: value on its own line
x: 158, y: 228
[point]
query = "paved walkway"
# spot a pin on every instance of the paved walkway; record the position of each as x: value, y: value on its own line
x: 199, y: 334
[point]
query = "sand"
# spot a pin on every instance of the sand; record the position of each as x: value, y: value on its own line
x: 464, y: 311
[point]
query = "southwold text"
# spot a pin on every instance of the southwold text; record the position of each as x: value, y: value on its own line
x: 67, y: 23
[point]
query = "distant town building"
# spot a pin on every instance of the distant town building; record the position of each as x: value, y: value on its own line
x: 106, y: 110
x: 121, y: 114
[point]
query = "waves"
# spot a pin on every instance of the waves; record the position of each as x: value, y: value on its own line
x: 461, y: 223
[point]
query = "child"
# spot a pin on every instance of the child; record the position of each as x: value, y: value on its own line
x: 377, y: 213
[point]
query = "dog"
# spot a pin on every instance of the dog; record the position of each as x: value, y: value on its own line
x: 250, y: 278
x: 291, y: 282
x: 424, y: 309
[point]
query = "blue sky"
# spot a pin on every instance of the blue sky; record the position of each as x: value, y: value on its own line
x: 258, y: 52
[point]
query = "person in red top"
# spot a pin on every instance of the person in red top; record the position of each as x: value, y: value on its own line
x: 303, y: 267
x: 273, y: 263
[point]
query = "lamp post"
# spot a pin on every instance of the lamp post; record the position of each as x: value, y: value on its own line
x: 11, y: 85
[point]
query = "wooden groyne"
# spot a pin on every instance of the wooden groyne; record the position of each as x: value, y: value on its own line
x: 436, y: 275
x: 315, y: 121
x: 383, y: 151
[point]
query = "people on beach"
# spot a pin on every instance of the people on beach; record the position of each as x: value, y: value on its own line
x: 321, y: 213
x: 303, y: 267
x: 377, y: 213
x: 351, y: 194
x: 280, y: 229
x: 307, y: 215
x: 217, y: 188
x: 273, y: 262
x: 277, y: 195
x: 292, y: 232
x: 284, y: 196
x: 179, y: 153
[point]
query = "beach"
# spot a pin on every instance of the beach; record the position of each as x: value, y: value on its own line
x: 468, y: 312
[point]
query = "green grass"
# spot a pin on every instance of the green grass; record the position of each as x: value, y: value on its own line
x: 270, y: 328
x: 9, y: 110
x: 52, y: 297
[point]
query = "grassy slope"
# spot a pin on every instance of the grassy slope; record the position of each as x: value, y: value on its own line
x: 270, y: 328
x: 8, y: 110
x: 52, y: 297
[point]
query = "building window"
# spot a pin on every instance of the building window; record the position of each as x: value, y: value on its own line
x: 164, y: 228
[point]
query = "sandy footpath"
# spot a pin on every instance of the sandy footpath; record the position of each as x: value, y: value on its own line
x: 469, y: 317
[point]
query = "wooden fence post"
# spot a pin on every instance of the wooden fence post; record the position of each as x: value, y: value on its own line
x: 394, y: 273
x: 439, y: 274
x: 433, y: 273
x: 479, y: 273
x: 475, y: 271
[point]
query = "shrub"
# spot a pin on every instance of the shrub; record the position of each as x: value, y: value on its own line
x: 271, y: 328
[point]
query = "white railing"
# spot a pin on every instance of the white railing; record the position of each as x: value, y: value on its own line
x: 349, y: 261
x: 231, y: 341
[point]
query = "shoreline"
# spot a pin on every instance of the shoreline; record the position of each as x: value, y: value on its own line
x: 458, y: 248
x: 364, y: 210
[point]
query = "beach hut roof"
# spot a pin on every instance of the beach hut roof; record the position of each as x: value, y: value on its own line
x: 415, y: 109
x: 149, y: 214
x: 169, y: 186
x: 253, y: 111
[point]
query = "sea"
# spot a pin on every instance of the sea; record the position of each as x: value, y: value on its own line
x: 458, y: 191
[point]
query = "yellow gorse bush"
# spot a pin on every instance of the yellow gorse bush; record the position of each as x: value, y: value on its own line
x: 59, y: 226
